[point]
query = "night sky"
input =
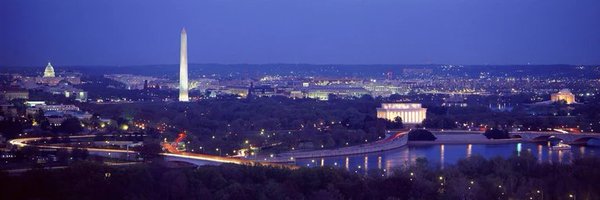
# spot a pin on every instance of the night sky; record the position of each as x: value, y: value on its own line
x: 123, y: 32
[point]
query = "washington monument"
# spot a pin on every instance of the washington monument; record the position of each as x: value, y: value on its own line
x: 183, y: 69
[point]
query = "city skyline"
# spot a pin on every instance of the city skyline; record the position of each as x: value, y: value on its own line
x: 300, y: 99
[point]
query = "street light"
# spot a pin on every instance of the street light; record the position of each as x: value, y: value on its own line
x: 442, y: 181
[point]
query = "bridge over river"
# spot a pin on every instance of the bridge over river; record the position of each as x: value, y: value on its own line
x: 396, y: 141
x: 526, y: 136
x: 570, y: 138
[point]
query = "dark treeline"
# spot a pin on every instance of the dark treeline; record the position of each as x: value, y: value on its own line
x: 324, y: 124
x: 261, y: 121
x: 517, y: 177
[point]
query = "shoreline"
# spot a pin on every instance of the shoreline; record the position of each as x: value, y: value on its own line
x: 442, y: 138
x: 488, y: 141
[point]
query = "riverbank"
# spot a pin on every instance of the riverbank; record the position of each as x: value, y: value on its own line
x: 464, y: 138
x: 393, y: 142
x: 390, y: 144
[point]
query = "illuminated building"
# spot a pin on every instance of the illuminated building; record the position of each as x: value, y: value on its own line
x: 237, y: 90
x: 77, y: 94
x: 58, y: 108
x: 563, y: 95
x: 411, y: 113
x: 34, y: 103
x: 183, y: 69
x: 9, y: 94
x: 296, y: 94
x: 136, y: 82
x: 322, y: 93
x: 49, y: 71
x: 50, y: 78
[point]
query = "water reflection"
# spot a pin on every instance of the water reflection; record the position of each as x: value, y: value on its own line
x: 366, y: 163
x: 347, y: 163
x: 441, y: 155
x: 549, y: 154
x: 539, y: 153
x: 378, y: 162
x: 560, y: 156
x: 469, y: 150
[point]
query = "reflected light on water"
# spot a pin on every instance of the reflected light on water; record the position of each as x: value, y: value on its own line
x: 469, y: 150
x: 549, y: 155
x: 347, y: 163
x: 388, y: 165
x: 366, y: 164
x: 442, y: 152
x: 539, y: 151
x: 379, y: 162
x: 560, y: 156
x: 439, y: 157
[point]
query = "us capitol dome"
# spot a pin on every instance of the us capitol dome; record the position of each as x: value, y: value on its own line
x: 49, y: 71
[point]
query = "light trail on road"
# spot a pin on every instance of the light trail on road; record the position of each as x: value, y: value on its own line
x: 23, y: 142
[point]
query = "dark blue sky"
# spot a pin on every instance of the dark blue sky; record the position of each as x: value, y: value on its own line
x: 123, y: 32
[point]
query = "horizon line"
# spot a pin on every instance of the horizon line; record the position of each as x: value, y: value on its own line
x: 283, y: 63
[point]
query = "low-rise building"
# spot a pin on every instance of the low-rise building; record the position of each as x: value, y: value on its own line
x: 31, y: 104
x: 410, y: 113
x: 237, y: 90
x: 563, y: 95
x: 77, y: 94
x: 9, y: 94
x: 322, y: 93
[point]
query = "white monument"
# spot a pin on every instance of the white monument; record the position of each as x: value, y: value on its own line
x: 411, y: 113
x: 183, y: 69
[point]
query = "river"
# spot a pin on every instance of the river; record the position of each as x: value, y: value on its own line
x: 442, y: 155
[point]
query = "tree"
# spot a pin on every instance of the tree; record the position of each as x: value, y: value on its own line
x: 11, y: 129
x: 29, y: 152
x: 71, y: 126
x: 439, y: 122
x: 150, y: 150
x: 63, y: 155
x: 79, y: 154
x: 496, y: 134
x: 421, y: 135
x: 398, y: 122
x: 45, y: 125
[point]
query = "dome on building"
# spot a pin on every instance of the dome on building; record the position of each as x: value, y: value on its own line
x: 49, y: 71
x: 563, y: 95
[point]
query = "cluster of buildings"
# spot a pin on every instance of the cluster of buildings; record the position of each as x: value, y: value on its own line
x: 55, y: 114
x: 562, y: 96
x: 11, y: 93
x: 47, y: 82
x: 137, y: 82
x: 454, y: 81
x: 49, y: 77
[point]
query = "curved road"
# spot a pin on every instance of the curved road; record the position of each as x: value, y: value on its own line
x: 22, y: 142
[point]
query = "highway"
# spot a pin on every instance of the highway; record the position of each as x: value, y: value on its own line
x: 22, y: 142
